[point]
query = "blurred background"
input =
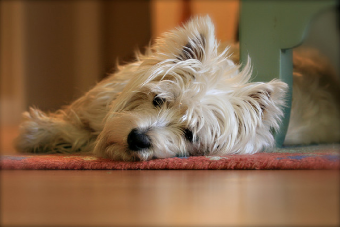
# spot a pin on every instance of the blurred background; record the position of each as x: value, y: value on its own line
x: 51, y: 52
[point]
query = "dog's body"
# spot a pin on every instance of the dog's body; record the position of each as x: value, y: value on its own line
x: 184, y: 97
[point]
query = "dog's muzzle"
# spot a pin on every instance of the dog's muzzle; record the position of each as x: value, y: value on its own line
x: 138, y: 140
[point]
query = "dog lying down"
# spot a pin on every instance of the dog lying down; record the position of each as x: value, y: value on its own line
x: 187, y: 96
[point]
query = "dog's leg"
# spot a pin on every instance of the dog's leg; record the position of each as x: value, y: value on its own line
x: 62, y: 131
x: 73, y: 128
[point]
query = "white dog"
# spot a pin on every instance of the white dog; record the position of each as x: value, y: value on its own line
x: 184, y: 97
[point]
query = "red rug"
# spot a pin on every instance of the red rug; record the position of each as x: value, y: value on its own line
x: 312, y: 157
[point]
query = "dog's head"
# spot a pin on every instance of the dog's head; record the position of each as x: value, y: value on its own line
x: 187, y: 98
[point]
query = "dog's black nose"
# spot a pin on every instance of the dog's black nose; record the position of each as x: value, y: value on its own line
x: 138, y: 140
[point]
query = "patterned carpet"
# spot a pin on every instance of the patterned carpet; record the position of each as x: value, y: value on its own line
x: 300, y: 157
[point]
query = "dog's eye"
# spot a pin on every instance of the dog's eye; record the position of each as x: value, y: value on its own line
x: 158, y: 101
x: 188, y: 135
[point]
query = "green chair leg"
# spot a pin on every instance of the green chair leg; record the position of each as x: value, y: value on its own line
x: 269, y: 29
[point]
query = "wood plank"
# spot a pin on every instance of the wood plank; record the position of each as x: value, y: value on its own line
x: 169, y: 198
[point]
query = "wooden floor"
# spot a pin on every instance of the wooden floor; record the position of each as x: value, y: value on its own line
x: 169, y: 198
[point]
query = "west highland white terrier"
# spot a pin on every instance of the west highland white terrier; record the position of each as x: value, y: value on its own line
x: 185, y: 96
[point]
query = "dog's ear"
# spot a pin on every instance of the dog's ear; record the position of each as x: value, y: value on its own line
x: 195, y: 40
x: 266, y: 99
x: 194, y: 49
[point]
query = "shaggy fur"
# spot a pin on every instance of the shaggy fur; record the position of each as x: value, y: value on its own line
x: 184, y: 97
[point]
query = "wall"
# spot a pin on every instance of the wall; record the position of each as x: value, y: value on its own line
x: 169, y: 14
x: 53, y: 51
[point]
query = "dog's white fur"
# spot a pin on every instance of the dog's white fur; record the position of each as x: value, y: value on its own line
x: 184, y: 97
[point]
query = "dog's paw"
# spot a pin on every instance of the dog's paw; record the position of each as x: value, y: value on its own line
x: 52, y: 133
x: 35, y: 132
